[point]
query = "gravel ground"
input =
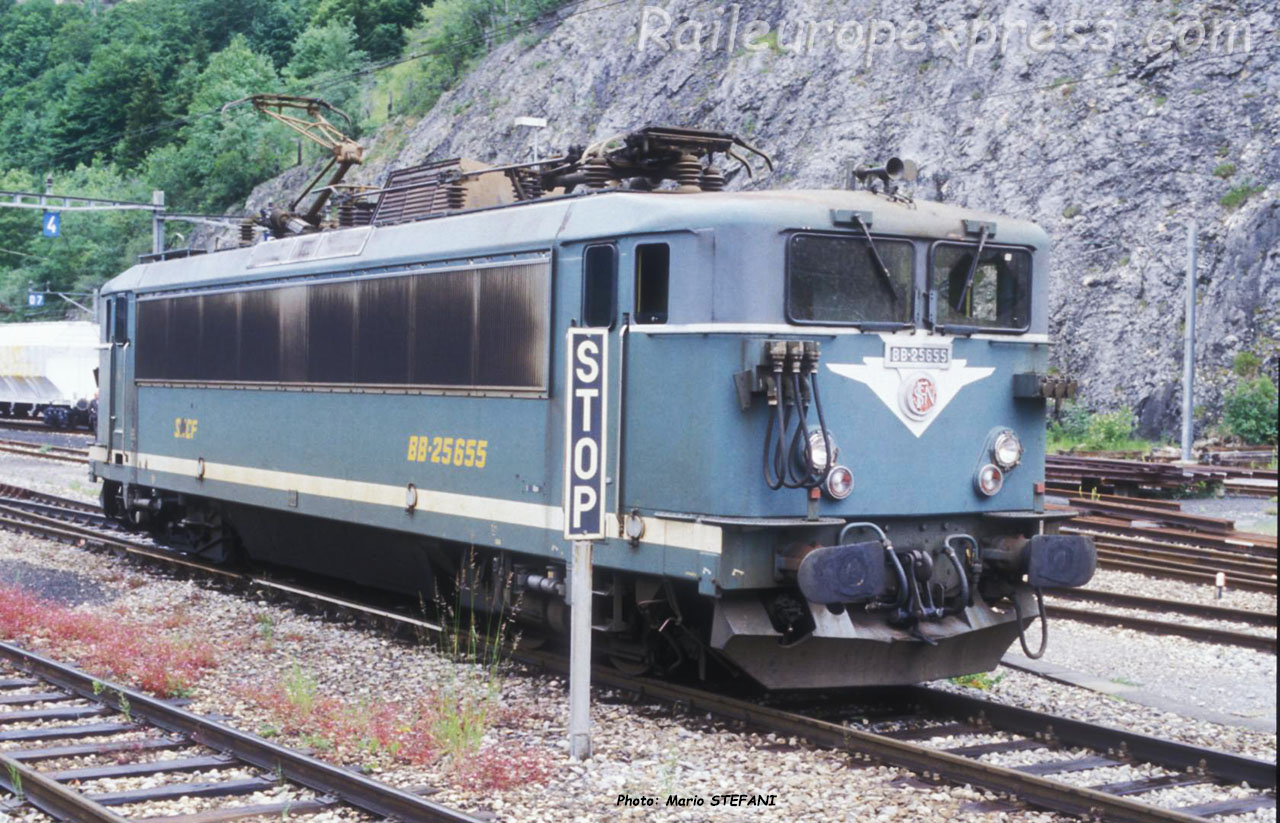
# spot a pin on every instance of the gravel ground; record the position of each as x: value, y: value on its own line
x: 49, y: 476
x: 40, y: 433
x: 1228, y: 679
x: 1130, y: 583
x: 1252, y: 514
x: 60, y: 585
x: 641, y: 751
x: 1018, y: 688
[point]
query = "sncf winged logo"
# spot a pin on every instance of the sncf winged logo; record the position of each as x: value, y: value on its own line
x: 916, y: 378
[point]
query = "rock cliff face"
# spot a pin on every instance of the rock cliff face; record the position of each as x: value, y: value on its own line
x: 1113, y: 125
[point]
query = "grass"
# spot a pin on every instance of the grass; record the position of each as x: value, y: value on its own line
x: 446, y: 726
x: 1237, y: 197
x: 1064, y: 443
x: 266, y: 628
x: 15, y: 781
x: 452, y: 725
x: 1079, y: 429
x: 983, y: 681
x: 143, y: 654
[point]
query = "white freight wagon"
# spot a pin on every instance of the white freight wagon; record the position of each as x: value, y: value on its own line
x: 50, y: 370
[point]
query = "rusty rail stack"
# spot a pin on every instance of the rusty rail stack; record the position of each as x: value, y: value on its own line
x: 1157, y: 538
x: 1076, y: 474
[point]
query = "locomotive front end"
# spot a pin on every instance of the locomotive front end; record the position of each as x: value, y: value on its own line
x: 900, y: 530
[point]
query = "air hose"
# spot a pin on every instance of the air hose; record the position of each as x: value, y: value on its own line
x: 1022, y: 631
x: 782, y: 442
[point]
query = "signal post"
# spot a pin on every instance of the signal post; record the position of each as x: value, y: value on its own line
x: 584, y: 510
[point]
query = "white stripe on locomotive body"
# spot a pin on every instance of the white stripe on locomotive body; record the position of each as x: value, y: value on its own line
x: 802, y: 330
x: 679, y: 534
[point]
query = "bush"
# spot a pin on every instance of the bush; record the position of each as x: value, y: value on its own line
x: 1249, y: 411
x: 1072, y: 424
x: 1108, y: 431
x: 1079, y: 428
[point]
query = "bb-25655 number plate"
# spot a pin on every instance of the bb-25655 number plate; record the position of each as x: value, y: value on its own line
x: 917, y: 356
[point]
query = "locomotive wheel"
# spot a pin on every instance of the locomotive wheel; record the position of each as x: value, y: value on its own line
x: 630, y: 666
x: 112, y: 498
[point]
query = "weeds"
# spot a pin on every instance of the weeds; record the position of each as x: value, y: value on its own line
x: 451, y: 725
x: 300, y: 689
x: 1080, y: 428
x: 1236, y: 198
x: 266, y: 628
x: 15, y: 781
x: 983, y: 681
x: 141, y: 653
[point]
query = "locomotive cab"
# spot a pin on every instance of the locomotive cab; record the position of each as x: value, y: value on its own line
x: 855, y: 404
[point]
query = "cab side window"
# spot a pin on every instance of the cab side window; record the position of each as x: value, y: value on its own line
x: 599, y: 286
x: 653, y: 266
x: 120, y: 319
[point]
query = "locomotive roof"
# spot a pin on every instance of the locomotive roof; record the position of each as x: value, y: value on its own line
x: 552, y: 221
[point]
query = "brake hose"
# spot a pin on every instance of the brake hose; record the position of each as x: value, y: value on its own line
x: 800, y: 440
x: 1022, y: 632
x: 775, y: 450
x: 783, y: 471
x: 965, y: 592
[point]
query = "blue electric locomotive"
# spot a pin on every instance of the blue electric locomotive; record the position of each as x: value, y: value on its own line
x: 825, y: 409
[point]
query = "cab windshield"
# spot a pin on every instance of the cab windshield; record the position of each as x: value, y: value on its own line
x: 836, y: 279
x: 995, y: 294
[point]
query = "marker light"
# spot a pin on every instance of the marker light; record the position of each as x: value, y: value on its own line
x: 989, y: 480
x: 818, y: 450
x: 839, y: 482
x: 1007, y: 450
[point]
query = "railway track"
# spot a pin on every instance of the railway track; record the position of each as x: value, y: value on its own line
x: 45, y: 451
x: 934, y: 734
x: 91, y: 730
x: 1209, y: 634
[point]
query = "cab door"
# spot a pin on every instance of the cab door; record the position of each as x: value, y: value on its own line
x: 112, y: 414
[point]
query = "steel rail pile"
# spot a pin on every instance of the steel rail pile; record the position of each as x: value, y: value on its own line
x: 1161, y: 540
x: 1068, y: 473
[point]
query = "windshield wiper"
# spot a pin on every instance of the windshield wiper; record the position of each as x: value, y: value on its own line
x: 973, y: 269
x: 881, y: 267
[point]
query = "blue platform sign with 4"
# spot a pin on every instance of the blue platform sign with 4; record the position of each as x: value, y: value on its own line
x: 51, y: 224
x: 585, y: 417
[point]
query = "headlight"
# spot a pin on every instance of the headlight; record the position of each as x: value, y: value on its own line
x: 1007, y: 450
x: 989, y: 480
x: 839, y: 482
x: 818, y: 451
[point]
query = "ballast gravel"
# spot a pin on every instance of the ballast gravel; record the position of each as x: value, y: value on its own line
x: 642, y: 753
x: 1112, y: 580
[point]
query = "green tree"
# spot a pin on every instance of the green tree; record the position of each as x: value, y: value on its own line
x: 222, y: 155
x: 381, y: 23
x: 324, y: 62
